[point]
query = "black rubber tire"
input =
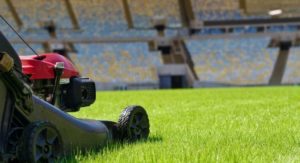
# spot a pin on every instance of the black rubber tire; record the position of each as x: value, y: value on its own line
x: 40, y: 142
x: 133, y: 124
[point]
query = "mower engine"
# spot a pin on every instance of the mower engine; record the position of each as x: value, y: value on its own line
x: 55, y: 79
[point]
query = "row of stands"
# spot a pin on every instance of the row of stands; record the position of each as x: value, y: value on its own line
x: 240, y: 61
x: 208, y: 5
x: 221, y: 10
x: 117, y: 63
x: 216, y: 9
x: 33, y: 12
x: 225, y: 15
x: 99, y: 17
x: 233, y: 61
x: 143, y: 11
x: 292, y: 73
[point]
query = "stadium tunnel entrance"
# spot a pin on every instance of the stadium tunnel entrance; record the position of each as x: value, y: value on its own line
x: 172, y: 81
x: 175, y: 76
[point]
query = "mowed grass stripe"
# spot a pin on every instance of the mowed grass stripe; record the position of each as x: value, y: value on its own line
x: 205, y: 125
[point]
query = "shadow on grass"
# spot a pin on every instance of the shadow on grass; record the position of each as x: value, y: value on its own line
x: 78, y: 155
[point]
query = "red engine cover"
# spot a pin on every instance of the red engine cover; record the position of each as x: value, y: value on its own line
x: 42, y: 66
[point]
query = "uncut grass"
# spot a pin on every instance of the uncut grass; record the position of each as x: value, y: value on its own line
x: 205, y: 125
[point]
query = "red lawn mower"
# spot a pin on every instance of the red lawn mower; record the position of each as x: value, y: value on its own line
x: 36, y: 92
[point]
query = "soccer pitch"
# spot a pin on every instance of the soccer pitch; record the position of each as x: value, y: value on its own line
x: 205, y: 125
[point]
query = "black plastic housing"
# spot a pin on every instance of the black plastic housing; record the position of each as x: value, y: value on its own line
x: 80, y: 92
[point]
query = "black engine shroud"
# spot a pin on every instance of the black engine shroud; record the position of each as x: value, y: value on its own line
x: 80, y: 92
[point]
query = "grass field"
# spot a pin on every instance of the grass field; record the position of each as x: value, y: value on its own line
x: 205, y: 125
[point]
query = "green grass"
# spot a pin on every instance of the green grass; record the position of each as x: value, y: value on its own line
x: 205, y: 125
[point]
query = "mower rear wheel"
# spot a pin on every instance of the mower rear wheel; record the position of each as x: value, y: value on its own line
x: 40, y: 142
x: 133, y: 124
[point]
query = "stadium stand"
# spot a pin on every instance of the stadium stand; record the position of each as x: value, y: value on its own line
x: 118, y: 63
x: 200, y: 5
x: 292, y: 74
x: 143, y: 11
x: 241, y: 61
x: 216, y: 9
x: 106, y: 22
x: 96, y: 19
x: 34, y: 11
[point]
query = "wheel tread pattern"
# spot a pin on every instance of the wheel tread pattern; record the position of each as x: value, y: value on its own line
x: 124, y: 121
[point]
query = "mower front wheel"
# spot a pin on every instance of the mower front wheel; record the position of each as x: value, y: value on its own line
x: 40, y: 142
x: 133, y: 124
